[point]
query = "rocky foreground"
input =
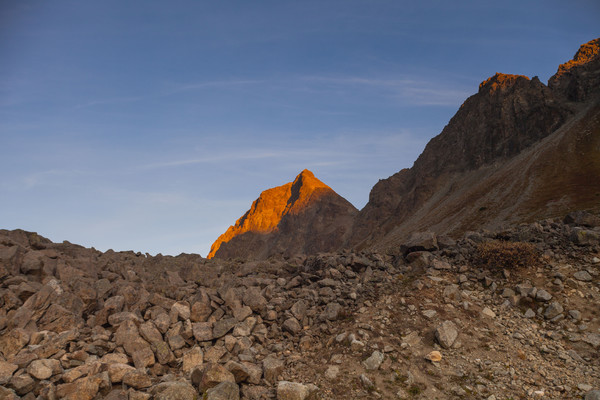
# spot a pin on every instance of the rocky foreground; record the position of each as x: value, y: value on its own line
x: 431, y: 321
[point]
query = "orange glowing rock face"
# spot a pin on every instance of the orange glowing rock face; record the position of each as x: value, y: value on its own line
x: 266, y: 212
x: 586, y: 53
x: 500, y: 81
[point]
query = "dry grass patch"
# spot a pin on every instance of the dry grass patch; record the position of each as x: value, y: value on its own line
x: 506, y: 255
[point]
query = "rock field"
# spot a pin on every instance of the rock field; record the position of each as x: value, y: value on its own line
x: 425, y: 322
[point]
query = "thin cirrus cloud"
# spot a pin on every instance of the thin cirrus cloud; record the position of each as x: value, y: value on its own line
x: 172, y: 90
x: 408, y: 90
x: 238, y: 156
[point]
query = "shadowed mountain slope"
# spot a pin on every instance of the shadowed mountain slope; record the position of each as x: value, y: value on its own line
x: 515, y: 151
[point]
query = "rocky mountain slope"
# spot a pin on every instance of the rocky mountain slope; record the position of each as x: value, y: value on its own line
x: 515, y: 151
x: 438, y: 319
x: 301, y: 217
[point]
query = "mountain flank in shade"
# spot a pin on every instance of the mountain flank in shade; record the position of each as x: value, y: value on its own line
x: 516, y: 151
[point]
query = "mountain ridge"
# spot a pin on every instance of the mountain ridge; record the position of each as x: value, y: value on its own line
x: 508, y: 116
x: 491, y: 165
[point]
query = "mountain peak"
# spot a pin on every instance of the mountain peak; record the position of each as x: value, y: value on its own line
x: 586, y: 53
x: 500, y: 81
x: 290, y: 211
x: 306, y: 179
x: 579, y: 78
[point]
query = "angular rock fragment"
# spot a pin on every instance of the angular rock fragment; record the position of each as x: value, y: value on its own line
x: 446, y: 334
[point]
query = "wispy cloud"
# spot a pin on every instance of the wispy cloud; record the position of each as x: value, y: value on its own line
x: 211, y: 84
x: 52, y: 176
x: 411, y: 90
x: 241, y: 155
x: 173, y: 89
x: 114, y: 100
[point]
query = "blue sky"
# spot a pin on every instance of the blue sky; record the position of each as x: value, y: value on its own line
x: 152, y: 125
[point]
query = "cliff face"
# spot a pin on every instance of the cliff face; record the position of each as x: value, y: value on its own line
x: 301, y: 217
x: 507, y: 117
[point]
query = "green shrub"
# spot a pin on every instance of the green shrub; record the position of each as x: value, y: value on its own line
x: 506, y: 255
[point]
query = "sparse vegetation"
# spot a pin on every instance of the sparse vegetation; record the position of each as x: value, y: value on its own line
x: 506, y: 255
x: 414, y: 390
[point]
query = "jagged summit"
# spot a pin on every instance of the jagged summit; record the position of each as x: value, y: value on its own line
x: 500, y: 81
x: 298, y: 216
x: 586, y: 53
x: 305, y: 189
x: 579, y: 78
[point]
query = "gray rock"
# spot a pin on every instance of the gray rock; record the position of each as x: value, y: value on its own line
x: 575, y: 314
x: 439, y: 264
x: 6, y: 371
x: 446, y: 333
x: 525, y: 290
x: 292, y: 391
x: 592, y: 339
x: 582, y: 218
x: 366, y: 382
x: 224, y: 391
x: 373, y: 362
x: 203, y: 331
x: 272, y: 368
x: 553, y: 310
x: 8, y: 394
x: 582, y: 276
x: 332, y: 311
x: 44, y: 369
x: 543, y: 295
x: 487, y: 312
x: 332, y: 372
x: 254, y: 299
x: 181, y: 311
x: 292, y: 326
x: 529, y: 313
x: 137, y: 379
x: 223, y: 326
x: 22, y: 384
x: 245, y: 327
x: 212, y: 375
x: 420, y: 241
x: 585, y: 237
x: 192, y: 359
x: 241, y: 313
x: 174, y: 391
x: 356, y: 345
x: 593, y: 395
x: 299, y: 310
x: 239, y: 371
x: 201, y: 310
x: 452, y: 292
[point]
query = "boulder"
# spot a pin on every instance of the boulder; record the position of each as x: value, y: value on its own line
x: 292, y: 391
x: 446, y: 333
x: 224, y: 391
x: 179, y: 390
x: 6, y: 371
x: 212, y: 374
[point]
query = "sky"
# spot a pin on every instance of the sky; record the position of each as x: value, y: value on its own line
x: 152, y: 126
